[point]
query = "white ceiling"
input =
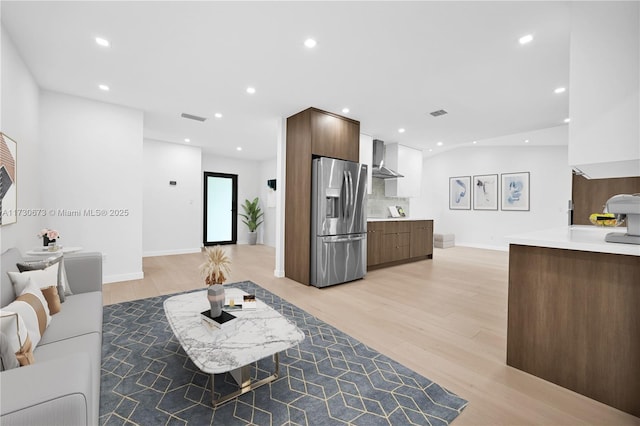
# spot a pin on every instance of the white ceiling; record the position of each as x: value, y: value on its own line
x: 391, y: 63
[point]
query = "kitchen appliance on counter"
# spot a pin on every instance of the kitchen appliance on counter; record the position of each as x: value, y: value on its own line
x: 338, y: 221
x: 629, y: 205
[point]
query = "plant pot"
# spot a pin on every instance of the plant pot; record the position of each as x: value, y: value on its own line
x: 253, y: 237
x: 215, y: 294
x: 46, y: 241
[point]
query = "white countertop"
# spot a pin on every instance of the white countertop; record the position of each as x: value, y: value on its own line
x: 577, y: 237
x: 393, y: 219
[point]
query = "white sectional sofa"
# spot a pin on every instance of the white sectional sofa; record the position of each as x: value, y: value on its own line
x: 62, y: 387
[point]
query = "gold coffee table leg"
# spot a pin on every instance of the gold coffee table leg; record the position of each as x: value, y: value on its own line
x: 243, y: 376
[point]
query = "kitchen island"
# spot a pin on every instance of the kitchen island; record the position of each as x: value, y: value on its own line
x: 574, y: 312
x: 394, y: 241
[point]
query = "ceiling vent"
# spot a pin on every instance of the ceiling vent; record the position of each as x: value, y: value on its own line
x: 192, y: 117
x: 438, y: 113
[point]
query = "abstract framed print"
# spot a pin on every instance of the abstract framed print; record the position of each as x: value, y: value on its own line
x: 515, y: 191
x: 485, y: 192
x: 460, y: 193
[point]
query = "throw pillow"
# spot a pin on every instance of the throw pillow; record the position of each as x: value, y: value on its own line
x: 8, y: 359
x: 53, y: 300
x: 34, y: 297
x: 15, y: 331
x: 62, y: 283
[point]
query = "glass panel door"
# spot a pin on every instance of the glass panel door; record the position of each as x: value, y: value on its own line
x: 220, y: 208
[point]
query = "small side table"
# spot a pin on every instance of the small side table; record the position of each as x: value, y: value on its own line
x: 44, y: 251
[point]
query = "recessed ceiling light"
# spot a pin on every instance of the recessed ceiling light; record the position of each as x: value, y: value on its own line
x: 251, y: 90
x: 217, y: 115
x: 430, y: 149
x: 560, y: 90
x: 102, y: 42
x: 439, y: 144
x: 475, y: 142
x: 401, y: 130
x: 187, y: 140
x: 103, y: 87
x: 239, y: 148
x: 345, y: 110
x: 526, y: 141
x: 566, y: 120
x: 310, y: 43
x: 526, y: 39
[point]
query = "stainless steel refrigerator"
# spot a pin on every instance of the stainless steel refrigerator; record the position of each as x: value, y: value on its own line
x: 338, y: 221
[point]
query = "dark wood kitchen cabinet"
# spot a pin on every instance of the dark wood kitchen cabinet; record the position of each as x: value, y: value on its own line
x: 395, y: 242
x: 334, y: 136
x: 421, y: 238
x: 310, y: 133
x: 374, y: 242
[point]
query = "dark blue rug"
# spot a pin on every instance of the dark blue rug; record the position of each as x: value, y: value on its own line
x: 329, y: 379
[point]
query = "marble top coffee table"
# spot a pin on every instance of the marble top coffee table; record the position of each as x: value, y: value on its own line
x: 251, y: 336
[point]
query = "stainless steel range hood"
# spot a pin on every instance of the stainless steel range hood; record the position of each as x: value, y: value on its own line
x: 379, y: 170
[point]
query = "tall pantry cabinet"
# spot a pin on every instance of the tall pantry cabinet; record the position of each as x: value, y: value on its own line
x: 310, y: 133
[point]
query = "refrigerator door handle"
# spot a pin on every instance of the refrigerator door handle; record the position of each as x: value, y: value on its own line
x: 348, y: 239
x: 346, y: 202
x: 352, y: 190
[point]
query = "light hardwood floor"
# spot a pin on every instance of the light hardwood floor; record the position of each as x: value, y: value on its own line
x: 445, y: 318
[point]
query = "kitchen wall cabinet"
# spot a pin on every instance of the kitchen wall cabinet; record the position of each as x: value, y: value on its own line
x: 310, y: 132
x: 408, y: 162
x: 604, y: 95
x: 334, y: 136
x: 366, y: 157
x: 395, y: 242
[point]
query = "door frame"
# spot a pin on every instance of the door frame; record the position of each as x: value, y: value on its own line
x: 234, y: 208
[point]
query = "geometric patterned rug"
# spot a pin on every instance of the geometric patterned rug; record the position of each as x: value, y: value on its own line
x: 330, y: 378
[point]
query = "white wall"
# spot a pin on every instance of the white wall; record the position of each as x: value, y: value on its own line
x: 249, y: 182
x: 19, y: 121
x: 91, y: 155
x: 550, y: 190
x: 172, y: 215
x: 268, y: 202
x: 604, y: 96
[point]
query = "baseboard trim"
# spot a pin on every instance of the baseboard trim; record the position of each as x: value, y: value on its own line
x: 108, y: 279
x: 171, y: 252
x: 278, y: 273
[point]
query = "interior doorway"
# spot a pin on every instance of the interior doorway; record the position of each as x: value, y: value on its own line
x: 220, y: 209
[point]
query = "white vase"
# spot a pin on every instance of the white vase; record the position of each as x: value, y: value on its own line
x: 215, y: 294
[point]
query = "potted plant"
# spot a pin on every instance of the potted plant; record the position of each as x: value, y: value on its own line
x: 215, y: 270
x: 252, y: 218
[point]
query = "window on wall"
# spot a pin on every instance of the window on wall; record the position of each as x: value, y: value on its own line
x: 220, y: 208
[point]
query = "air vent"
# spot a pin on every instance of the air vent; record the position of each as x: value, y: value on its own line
x: 438, y: 113
x: 192, y: 117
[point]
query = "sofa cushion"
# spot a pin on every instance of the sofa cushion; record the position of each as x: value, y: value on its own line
x: 82, y: 314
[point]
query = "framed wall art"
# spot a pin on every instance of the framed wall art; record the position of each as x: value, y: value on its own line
x: 515, y: 191
x: 460, y: 193
x: 485, y: 192
x: 8, y: 180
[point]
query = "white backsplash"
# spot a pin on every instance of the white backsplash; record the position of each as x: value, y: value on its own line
x: 378, y: 203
